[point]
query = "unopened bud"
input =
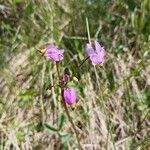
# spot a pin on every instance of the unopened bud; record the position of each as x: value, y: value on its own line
x: 75, y: 79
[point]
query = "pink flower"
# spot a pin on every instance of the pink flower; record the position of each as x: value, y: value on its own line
x: 97, y: 55
x: 52, y: 53
x: 69, y: 95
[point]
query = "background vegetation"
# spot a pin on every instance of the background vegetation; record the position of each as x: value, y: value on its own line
x: 114, y: 100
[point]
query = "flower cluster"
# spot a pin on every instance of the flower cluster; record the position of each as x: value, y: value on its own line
x: 52, y: 53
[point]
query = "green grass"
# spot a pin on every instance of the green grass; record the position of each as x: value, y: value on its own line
x: 114, y: 101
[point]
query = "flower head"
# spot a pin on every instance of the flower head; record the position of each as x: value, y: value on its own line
x: 52, y: 53
x: 69, y: 95
x: 97, y: 55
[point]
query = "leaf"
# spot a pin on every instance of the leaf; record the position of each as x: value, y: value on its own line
x: 72, y: 84
x: 50, y: 128
x: 62, y: 134
x: 62, y: 120
x: 64, y: 138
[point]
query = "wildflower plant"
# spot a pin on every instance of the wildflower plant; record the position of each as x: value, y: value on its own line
x: 68, y: 93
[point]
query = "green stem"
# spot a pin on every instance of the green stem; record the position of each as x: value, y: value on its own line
x: 83, y: 61
x: 88, y: 30
x: 71, y: 121
x: 67, y: 111
x: 57, y: 67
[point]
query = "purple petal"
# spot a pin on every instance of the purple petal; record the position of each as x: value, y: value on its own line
x: 66, y: 77
x: 52, y: 53
x: 89, y: 49
x: 61, y: 51
x: 96, y: 59
x: 55, y: 56
x: 69, y: 96
x: 100, y: 50
x: 51, y: 48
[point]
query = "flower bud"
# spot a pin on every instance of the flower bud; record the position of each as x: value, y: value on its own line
x: 75, y: 79
x: 66, y: 78
x: 69, y: 95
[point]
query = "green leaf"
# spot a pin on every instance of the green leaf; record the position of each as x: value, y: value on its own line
x: 71, y: 84
x: 50, y: 128
x: 64, y: 138
x: 62, y: 120
x: 62, y: 134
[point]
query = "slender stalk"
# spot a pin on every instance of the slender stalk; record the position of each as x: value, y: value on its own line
x: 71, y: 121
x: 88, y: 30
x: 41, y: 95
x: 101, y: 95
x: 67, y: 111
x: 57, y: 67
x: 83, y: 61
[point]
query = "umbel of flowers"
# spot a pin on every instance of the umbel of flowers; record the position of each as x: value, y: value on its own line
x: 95, y: 54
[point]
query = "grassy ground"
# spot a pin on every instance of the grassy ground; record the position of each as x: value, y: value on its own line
x: 114, y: 100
